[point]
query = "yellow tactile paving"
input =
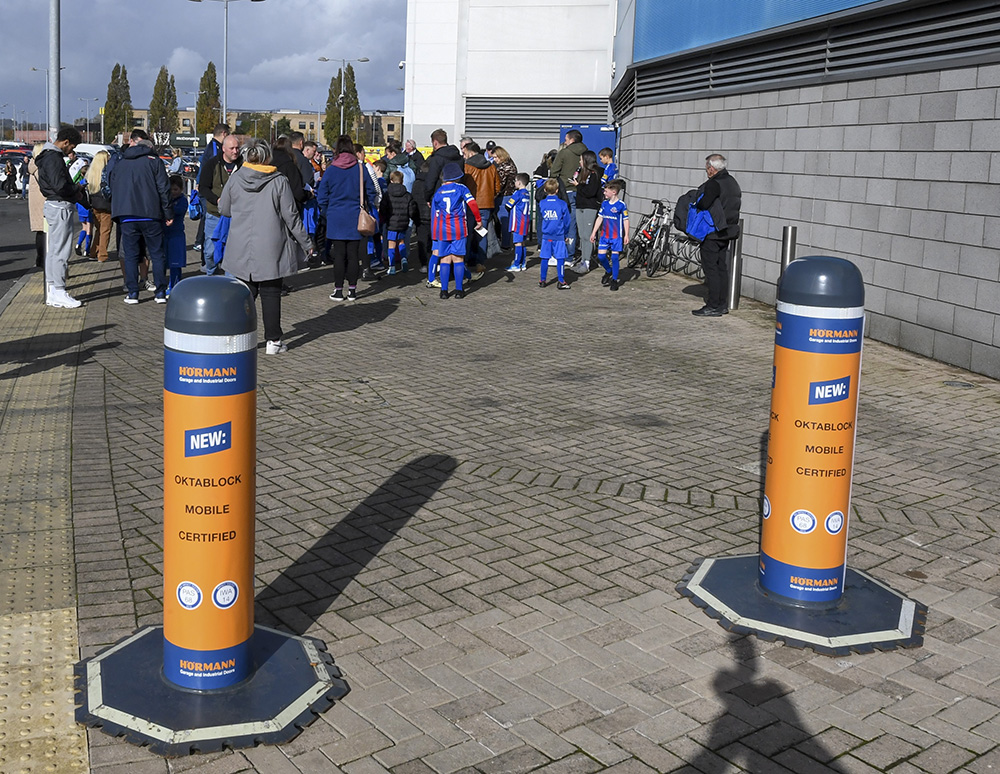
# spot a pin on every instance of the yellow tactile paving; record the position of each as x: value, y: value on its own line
x: 38, y: 628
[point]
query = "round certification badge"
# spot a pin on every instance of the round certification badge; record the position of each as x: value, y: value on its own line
x: 834, y: 522
x: 767, y: 507
x: 224, y: 595
x: 189, y: 595
x: 803, y: 522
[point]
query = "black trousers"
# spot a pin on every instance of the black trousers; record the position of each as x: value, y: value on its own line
x: 713, y: 263
x: 345, y: 261
x: 270, y: 305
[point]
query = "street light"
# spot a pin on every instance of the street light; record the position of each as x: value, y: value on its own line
x: 48, y: 117
x: 343, y: 78
x: 197, y: 94
x: 88, y: 100
x: 225, y: 53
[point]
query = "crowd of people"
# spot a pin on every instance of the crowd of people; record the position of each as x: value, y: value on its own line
x: 266, y: 212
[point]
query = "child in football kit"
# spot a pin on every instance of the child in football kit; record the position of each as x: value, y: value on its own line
x: 557, y: 224
x: 396, y: 212
x: 450, y: 229
x: 519, y: 204
x: 612, y: 222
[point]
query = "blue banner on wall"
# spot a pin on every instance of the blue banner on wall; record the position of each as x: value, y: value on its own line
x: 665, y: 27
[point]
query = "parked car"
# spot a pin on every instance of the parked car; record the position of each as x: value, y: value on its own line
x: 17, y: 158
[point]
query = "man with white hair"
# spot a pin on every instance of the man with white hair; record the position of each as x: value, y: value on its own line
x: 416, y: 157
x: 721, y: 196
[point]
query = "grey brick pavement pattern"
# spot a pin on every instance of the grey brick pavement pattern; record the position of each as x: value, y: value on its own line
x: 485, y: 517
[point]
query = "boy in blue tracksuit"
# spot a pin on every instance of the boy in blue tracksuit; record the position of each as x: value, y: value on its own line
x: 519, y: 206
x: 557, y: 225
x: 607, y: 157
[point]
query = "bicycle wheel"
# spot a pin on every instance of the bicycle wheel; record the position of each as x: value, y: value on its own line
x: 635, y: 254
x: 656, y: 254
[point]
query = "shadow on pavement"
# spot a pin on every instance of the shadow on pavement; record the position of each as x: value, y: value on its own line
x: 306, y: 590
x: 760, y: 728
x: 341, y: 316
x: 35, y: 351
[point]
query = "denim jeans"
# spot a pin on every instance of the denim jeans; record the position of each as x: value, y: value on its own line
x: 481, y: 244
x: 151, y: 232
x: 208, y: 247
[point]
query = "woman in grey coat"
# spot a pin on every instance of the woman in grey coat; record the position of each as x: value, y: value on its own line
x: 261, y: 247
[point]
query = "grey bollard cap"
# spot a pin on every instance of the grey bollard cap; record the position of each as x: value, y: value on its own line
x: 822, y: 280
x: 211, y: 306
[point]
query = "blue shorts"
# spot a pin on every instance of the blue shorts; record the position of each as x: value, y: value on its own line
x: 553, y: 248
x: 83, y: 212
x: 443, y: 247
x: 517, y: 239
x: 395, y: 236
x: 605, y: 245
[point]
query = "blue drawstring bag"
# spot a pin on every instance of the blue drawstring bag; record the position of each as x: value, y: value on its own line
x: 195, y: 207
x: 699, y: 223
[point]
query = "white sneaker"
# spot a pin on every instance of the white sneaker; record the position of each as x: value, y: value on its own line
x: 150, y: 285
x: 59, y: 298
x: 435, y: 283
x: 275, y: 348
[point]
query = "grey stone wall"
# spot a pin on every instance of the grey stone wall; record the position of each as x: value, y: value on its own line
x: 900, y: 175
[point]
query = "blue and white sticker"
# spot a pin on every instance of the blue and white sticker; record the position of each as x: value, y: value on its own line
x: 224, y: 595
x: 803, y: 522
x: 834, y: 522
x: 189, y: 595
x: 767, y: 507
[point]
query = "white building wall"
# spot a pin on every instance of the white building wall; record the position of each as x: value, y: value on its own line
x: 503, y: 48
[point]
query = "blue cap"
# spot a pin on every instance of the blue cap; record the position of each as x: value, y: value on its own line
x: 452, y: 171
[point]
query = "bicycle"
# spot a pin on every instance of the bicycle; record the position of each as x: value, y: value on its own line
x: 640, y: 246
x: 657, y: 247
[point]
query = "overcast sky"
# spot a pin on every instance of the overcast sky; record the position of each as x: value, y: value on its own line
x: 273, y: 48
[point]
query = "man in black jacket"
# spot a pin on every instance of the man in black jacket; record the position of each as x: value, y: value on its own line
x: 443, y: 154
x: 61, y: 195
x: 140, y: 203
x: 721, y: 196
x: 214, y: 175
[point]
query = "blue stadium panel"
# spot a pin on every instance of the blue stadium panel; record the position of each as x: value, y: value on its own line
x: 665, y: 27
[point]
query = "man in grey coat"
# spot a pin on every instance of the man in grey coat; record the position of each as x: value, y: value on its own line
x: 265, y: 234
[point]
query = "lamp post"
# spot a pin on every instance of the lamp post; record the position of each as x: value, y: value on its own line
x: 225, y: 54
x: 2, y: 135
x: 343, y: 78
x: 88, y: 100
x: 194, y: 129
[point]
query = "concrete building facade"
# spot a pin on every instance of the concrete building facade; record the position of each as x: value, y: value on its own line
x: 510, y: 72
x: 892, y: 162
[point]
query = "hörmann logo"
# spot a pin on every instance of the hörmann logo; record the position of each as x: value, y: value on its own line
x: 829, y: 392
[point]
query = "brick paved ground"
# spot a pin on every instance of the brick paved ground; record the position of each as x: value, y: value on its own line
x: 484, y: 506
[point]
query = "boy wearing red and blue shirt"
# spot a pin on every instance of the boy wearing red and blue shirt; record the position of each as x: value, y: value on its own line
x: 612, y: 222
x: 557, y: 225
x: 450, y: 230
x: 519, y: 204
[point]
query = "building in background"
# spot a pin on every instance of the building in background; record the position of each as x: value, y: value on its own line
x: 873, y: 128
x: 510, y: 71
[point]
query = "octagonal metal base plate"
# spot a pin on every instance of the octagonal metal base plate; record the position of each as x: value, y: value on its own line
x: 870, y: 615
x: 123, y: 692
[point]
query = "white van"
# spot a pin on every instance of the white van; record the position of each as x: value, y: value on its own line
x: 93, y: 148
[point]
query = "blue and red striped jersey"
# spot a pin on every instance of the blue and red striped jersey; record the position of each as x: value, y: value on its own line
x: 448, y: 219
x: 519, y: 203
x: 614, y: 218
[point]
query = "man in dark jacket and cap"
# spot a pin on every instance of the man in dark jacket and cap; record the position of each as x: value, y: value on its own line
x: 140, y: 203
